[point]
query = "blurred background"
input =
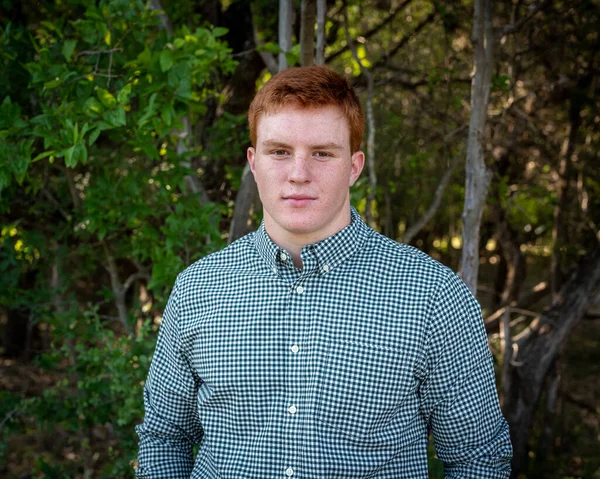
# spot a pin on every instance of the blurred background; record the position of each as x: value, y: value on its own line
x: 122, y: 161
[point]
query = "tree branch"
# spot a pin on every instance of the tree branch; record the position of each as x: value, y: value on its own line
x: 404, y: 40
x: 536, y: 294
x: 435, y: 204
x: 515, y: 27
x: 53, y: 200
x: 373, y: 30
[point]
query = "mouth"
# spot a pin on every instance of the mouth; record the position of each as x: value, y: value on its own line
x: 298, y: 200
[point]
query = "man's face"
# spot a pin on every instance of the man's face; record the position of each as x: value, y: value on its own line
x: 303, y: 168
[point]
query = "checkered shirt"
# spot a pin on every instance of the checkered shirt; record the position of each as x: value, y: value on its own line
x: 336, y: 370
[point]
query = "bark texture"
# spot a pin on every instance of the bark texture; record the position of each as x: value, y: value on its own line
x: 477, y: 174
x: 307, y: 32
x: 321, y: 18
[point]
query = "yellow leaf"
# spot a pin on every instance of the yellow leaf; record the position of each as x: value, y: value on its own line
x: 107, y: 37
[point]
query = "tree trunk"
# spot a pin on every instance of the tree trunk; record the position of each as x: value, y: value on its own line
x: 509, y: 285
x: 286, y: 9
x: 307, y: 32
x: 536, y: 349
x: 321, y: 17
x: 246, y: 198
x: 477, y: 175
x: 560, y: 233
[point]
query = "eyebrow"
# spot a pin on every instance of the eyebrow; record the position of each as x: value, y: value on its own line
x: 324, y: 146
x: 273, y: 143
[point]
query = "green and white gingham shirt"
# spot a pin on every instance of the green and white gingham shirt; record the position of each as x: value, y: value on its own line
x: 337, y: 370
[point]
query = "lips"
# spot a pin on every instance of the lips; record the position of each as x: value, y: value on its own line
x: 298, y: 200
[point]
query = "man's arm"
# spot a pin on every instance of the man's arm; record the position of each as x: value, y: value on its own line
x: 171, y: 427
x: 459, y: 394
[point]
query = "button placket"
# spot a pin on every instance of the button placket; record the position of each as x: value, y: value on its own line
x: 295, y: 380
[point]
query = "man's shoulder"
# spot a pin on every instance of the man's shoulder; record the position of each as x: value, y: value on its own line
x: 416, y: 271
x: 402, y: 255
x: 235, y: 256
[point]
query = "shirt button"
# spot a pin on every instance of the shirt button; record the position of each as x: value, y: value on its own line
x: 289, y: 472
x: 299, y: 290
x: 295, y: 348
x: 283, y: 257
x: 292, y: 409
x: 325, y: 268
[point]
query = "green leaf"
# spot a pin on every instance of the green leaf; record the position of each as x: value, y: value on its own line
x: 21, y: 160
x: 168, y: 113
x: 4, y: 180
x: 94, y: 135
x: 116, y: 117
x: 166, y: 60
x: 80, y: 153
x: 220, y: 31
x: 291, y: 57
x: 70, y: 159
x: 93, y: 107
x: 121, y: 118
x: 68, y: 48
x: 53, y: 83
x: 150, y: 151
x: 123, y: 96
x: 43, y: 155
x: 269, y: 47
x: 107, y: 98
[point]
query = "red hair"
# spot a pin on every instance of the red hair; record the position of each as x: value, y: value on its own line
x: 309, y: 87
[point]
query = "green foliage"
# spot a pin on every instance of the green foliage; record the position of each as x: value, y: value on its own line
x: 93, y: 168
x: 110, y: 91
x: 101, y: 385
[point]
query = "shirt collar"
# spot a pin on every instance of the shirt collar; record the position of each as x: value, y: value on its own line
x: 329, y: 252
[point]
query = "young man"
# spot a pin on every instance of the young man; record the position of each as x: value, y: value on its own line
x: 315, y: 347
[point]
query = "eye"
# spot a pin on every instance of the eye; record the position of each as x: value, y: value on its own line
x: 322, y: 154
x: 279, y: 152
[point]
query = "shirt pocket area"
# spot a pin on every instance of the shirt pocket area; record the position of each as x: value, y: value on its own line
x: 362, y: 387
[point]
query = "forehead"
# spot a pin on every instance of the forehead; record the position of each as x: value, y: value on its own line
x: 315, y: 125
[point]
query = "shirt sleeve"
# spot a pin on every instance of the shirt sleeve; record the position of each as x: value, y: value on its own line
x: 171, y: 427
x: 458, y: 394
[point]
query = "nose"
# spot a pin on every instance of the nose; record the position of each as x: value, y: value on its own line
x: 300, y: 172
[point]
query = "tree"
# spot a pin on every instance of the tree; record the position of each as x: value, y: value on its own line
x: 477, y: 175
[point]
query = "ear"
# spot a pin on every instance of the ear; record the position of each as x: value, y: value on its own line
x: 250, y: 155
x: 358, y: 161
